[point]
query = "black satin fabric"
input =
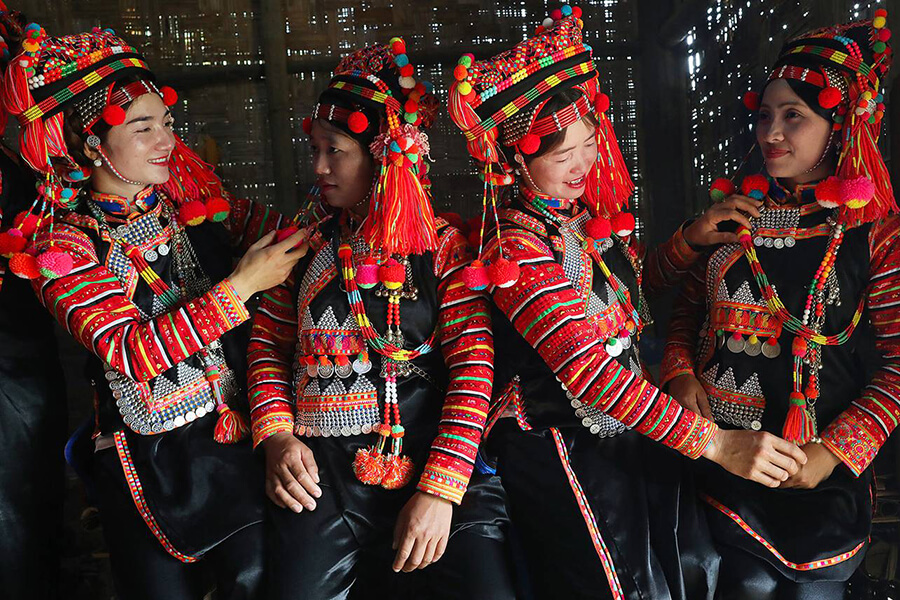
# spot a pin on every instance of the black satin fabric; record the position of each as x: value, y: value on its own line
x: 143, y: 570
x: 803, y: 525
x: 354, y: 523
x: 745, y: 578
x: 32, y: 425
x: 641, y: 496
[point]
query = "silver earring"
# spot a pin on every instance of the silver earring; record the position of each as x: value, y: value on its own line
x: 98, y: 162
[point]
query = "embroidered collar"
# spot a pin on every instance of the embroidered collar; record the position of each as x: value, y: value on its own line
x: 118, y: 206
x: 802, y: 194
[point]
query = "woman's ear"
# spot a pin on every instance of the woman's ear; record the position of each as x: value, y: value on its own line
x: 90, y: 152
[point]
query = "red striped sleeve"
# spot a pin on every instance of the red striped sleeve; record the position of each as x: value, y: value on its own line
x: 468, y: 349
x: 858, y: 433
x: 549, y: 314
x: 666, y: 265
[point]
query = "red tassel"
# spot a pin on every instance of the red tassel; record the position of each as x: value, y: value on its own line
x: 608, y: 185
x: 231, y: 426
x: 862, y: 158
x: 798, y: 426
x: 401, y: 219
x: 191, y: 178
x: 398, y: 472
x: 368, y: 466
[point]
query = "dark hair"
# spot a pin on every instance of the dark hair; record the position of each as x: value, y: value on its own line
x: 73, y: 128
x: 809, y: 94
x: 558, y: 101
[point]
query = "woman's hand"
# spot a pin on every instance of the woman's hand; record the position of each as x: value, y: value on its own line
x: 689, y: 392
x: 755, y: 455
x: 705, y: 232
x: 264, y: 266
x: 422, y: 532
x: 817, y: 469
x: 291, y: 472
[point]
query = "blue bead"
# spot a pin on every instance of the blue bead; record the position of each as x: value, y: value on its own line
x: 402, y: 60
x: 429, y: 87
x: 76, y: 175
x: 68, y: 193
x: 566, y: 10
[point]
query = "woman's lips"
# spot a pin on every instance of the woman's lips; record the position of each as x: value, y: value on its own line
x: 577, y: 183
x: 773, y: 153
x: 159, y: 161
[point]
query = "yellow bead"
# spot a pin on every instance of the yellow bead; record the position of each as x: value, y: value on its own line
x: 464, y: 88
x: 879, y: 22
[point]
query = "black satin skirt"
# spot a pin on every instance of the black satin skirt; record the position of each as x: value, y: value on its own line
x: 806, y: 536
x: 198, y: 491
x: 604, y: 518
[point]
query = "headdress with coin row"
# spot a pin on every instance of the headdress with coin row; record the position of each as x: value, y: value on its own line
x: 497, y: 102
x: 41, y: 83
x: 375, y: 98
x: 52, y: 74
x: 847, y: 64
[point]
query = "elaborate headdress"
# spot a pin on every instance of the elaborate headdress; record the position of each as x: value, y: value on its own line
x: 374, y: 97
x: 845, y: 65
x: 46, y: 78
x: 497, y: 102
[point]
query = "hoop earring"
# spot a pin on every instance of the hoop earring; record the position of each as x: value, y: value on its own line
x: 112, y: 167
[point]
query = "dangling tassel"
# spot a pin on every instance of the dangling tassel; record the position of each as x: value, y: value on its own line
x: 798, y: 427
x: 191, y: 179
x: 402, y: 220
x: 860, y: 157
x: 369, y: 465
x: 608, y: 186
x: 231, y: 426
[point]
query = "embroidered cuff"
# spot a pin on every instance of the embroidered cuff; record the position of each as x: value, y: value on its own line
x: 270, y: 424
x: 851, y: 443
x: 228, y: 303
x: 680, y: 253
x: 443, y: 483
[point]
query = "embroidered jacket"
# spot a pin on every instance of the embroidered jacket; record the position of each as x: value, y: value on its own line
x: 748, y: 386
x: 311, y: 317
x: 560, y: 321
x: 149, y: 353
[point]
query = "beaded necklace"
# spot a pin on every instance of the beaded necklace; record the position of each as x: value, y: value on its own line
x: 376, y: 465
x: 800, y: 424
x: 592, y: 247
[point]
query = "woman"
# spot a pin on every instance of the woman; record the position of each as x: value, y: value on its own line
x: 755, y: 344
x: 601, y: 512
x: 341, y: 358
x: 133, y: 256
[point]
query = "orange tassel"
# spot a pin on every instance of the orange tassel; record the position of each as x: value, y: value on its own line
x: 401, y: 219
x: 368, y: 466
x: 231, y: 426
x: 798, y: 427
x: 398, y: 473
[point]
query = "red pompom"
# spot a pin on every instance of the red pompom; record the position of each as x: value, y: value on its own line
x: 857, y: 192
x: 397, y: 473
x: 392, y: 274
x: 11, y: 242
x: 475, y: 276
x: 755, y: 186
x: 24, y: 265
x: 398, y: 47
x: 113, y: 115
x: 169, y: 96
x: 799, y: 347
x: 460, y: 72
x: 217, y: 209
x: 751, y: 101
x: 829, y: 97
x: 721, y: 188
x: 358, y: 122
x: 407, y: 70
x: 411, y: 106
x: 192, y: 213
x: 368, y: 466
x: 601, y: 102
x: 26, y: 222
x: 307, y: 125
x: 881, y: 13
x: 623, y: 224
x: 576, y: 11
x: 556, y: 15
x: 453, y: 219
x: 530, y: 143
x: 598, y: 228
x: 503, y: 273
x: 884, y: 34
x: 283, y: 234
x: 828, y: 192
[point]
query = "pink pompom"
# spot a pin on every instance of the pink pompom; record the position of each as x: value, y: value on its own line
x: 11, y: 242
x: 857, y: 192
x: 598, y: 228
x: 503, y: 273
x: 623, y: 224
x: 54, y: 263
x: 475, y: 276
x: 367, y: 274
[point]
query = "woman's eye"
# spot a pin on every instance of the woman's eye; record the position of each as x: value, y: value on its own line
x: 793, y: 114
x: 334, y: 150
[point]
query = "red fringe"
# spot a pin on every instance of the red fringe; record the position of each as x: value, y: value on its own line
x: 609, y: 185
x: 191, y: 178
x: 231, y: 426
x: 862, y: 158
x: 401, y: 220
x: 798, y: 426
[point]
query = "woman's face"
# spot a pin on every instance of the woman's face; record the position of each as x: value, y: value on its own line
x: 562, y: 172
x: 792, y: 136
x: 344, y: 169
x: 139, y: 148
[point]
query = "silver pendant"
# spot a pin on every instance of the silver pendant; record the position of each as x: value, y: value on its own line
x: 312, y: 370
x: 758, y: 241
x: 163, y: 249
x: 755, y: 425
x: 613, y: 348
x: 325, y: 369
x: 736, y: 345
x: 625, y: 341
x: 362, y: 367
x: 150, y: 255
x: 343, y: 371
x: 753, y: 349
x: 789, y: 242
x: 779, y: 243
x: 771, y: 350
x: 768, y: 242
